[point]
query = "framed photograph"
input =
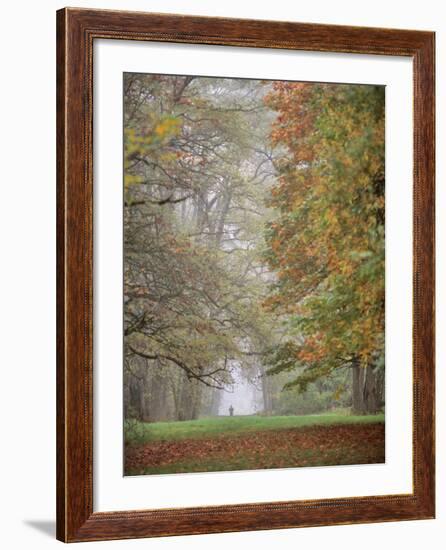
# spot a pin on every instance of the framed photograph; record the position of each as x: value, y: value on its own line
x: 245, y: 275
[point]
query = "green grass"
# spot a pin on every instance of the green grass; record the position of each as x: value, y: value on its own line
x: 138, y: 433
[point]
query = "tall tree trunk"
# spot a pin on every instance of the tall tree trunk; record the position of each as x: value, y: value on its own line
x: 196, y: 400
x: 380, y: 387
x: 215, y: 401
x: 365, y: 399
x: 190, y: 399
x: 184, y: 402
x: 370, y: 391
x: 224, y: 205
x: 157, y: 394
x: 357, y: 385
x: 175, y: 391
x: 266, y: 393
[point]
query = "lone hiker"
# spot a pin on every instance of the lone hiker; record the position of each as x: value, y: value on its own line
x: 231, y: 411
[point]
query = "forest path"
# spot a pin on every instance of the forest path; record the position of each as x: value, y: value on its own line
x: 244, y: 443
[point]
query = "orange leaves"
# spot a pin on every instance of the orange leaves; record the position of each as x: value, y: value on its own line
x: 327, y: 241
x: 313, y: 350
x: 301, y: 446
x: 167, y: 127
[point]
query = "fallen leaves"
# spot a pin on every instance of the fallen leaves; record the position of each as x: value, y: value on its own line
x: 287, y: 448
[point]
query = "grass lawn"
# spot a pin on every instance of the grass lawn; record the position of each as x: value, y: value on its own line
x: 144, y: 432
x: 253, y: 442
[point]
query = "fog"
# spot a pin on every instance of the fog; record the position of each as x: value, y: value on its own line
x: 243, y: 395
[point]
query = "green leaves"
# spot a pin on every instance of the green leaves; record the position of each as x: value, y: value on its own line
x: 327, y: 242
x: 196, y: 176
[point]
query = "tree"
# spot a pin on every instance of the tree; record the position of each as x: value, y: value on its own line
x: 194, y: 176
x: 327, y: 243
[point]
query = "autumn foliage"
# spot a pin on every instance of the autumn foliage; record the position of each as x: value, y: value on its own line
x: 326, y: 244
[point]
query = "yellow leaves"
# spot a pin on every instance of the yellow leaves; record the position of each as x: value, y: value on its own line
x: 134, y: 145
x: 346, y: 268
x: 130, y: 179
x: 168, y: 127
x: 331, y: 217
x: 338, y: 393
x: 146, y: 143
x: 169, y: 156
x: 379, y: 202
x: 329, y: 202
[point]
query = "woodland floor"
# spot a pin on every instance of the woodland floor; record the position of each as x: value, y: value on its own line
x: 249, y: 443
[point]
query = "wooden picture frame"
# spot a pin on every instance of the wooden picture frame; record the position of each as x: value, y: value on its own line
x: 76, y: 31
